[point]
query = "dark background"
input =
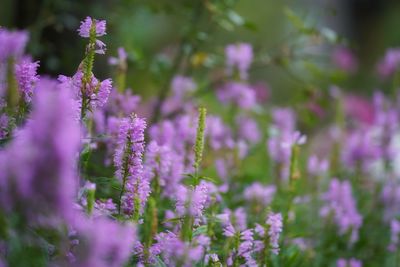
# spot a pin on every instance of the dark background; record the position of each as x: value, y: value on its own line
x: 150, y: 28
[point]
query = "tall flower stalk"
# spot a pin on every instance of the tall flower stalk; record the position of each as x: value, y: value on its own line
x: 199, y: 145
x: 90, y: 28
x: 129, y: 168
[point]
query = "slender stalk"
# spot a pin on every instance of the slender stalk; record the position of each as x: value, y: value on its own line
x: 126, y: 172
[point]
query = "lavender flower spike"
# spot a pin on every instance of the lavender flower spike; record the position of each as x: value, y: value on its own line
x: 129, y: 167
x: 274, y: 221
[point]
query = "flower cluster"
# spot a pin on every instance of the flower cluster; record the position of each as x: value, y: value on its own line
x: 94, y: 174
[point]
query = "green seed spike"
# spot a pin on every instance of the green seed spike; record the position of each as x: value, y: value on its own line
x: 12, y: 95
x: 199, y: 146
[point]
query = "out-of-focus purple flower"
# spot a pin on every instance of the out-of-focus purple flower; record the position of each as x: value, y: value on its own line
x: 218, y: 134
x: 275, y: 225
x: 164, y: 164
x: 174, y: 250
x: 284, y: 119
x: 263, y: 92
x: 84, y: 29
x: 12, y: 44
x: 128, y: 163
x: 246, y: 247
x: 389, y: 64
x: 239, y: 56
x: 179, y: 135
x: 316, y: 166
x: 37, y: 167
x: 394, y: 235
x: 236, y: 93
x: 106, y: 207
x: 339, y: 201
x: 345, y: 59
x: 348, y: 263
x: 163, y: 132
x: 280, y: 146
x: 26, y: 75
x: 359, y: 109
x: 248, y: 129
x: 182, y: 85
x: 101, y: 242
x: 233, y: 221
x: 120, y: 60
x: 361, y: 147
x: 122, y: 103
x: 191, y: 201
x: 146, y: 256
x: 390, y: 197
x: 260, y: 193
x: 3, y: 126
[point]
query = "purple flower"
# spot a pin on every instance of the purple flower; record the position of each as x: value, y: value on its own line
x: 219, y: 134
x: 177, y: 252
x: 182, y: 85
x: 12, y: 44
x: 248, y: 129
x: 146, y: 256
x: 339, y: 201
x: 239, y: 56
x: 96, y: 93
x: 164, y: 164
x: 246, y: 247
x: 361, y: 147
x: 191, y: 201
x: 275, y: 225
x: 37, y: 167
x: 101, y: 242
x: 3, y: 126
x: 284, y: 119
x: 389, y: 64
x: 233, y: 222
x: 179, y: 135
x: 259, y: 193
x: 394, y: 235
x: 390, y: 197
x: 317, y: 166
x: 122, y: 103
x: 348, y: 263
x: 344, y: 59
x: 104, y: 208
x: 239, y: 94
x: 120, y: 60
x: 128, y: 163
x: 26, y: 75
x: 86, y: 25
x: 280, y: 149
x: 103, y: 93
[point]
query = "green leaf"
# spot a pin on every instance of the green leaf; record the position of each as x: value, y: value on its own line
x: 200, y: 230
x: 212, y: 180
